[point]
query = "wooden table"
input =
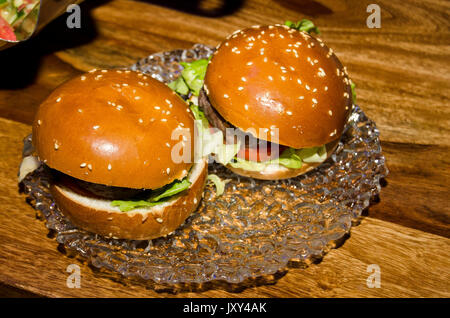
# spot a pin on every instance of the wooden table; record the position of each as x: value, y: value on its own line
x: 402, y: 72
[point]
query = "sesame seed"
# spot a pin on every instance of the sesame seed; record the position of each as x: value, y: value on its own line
x: 157, y: 107
x: 243, y: 79
x: 314, y: 100
x: 270, y: 78
x: 83, y: 78
x: 39, y: 122
x: 240, y: 88
x: 83, y: 165
x: 56, y: 146
x: 326, y: 88
x: 321, y: 72
x: 330, y: 113
x: 104, y: 71
x: 289, y: 113
x: 140, y: 120
x: 314, y: 90
x: 93, y: 70
x: 307, y: 87
x: 137, y: 97
x: 299, y: 81
x: 225, y: 95
x: 89, y: 167
x: 58, y: 99
x: 246, y: 107
x: 250, y: 63
x: 301, y: 97
x: 167, y: 144
x: 109, y: 167
x: 195, y: 200
x: 98, y: 77
x: 119, y: 107
x: 164, y: 120
x: 168, y: 170
x: 159, y: 220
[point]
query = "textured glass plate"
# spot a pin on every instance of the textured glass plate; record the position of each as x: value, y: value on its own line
x: 255, y: 228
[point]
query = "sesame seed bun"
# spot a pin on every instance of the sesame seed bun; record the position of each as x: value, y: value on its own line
x: 276, y: 76
x: 113, y: 128
x: 98, y: 216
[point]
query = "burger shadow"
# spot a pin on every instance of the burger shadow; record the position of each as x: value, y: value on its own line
x: 21, y: 63
x: 224, y: 8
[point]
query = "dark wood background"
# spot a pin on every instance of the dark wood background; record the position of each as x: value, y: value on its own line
x: 402, y: 72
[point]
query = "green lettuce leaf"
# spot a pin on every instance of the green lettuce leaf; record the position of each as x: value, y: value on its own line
x: 314, y: 154
x: 219, y: 183
x: 290, y: 158
x: 303, y: 25
x: 191, y: 79
x: 157, y: 196
x: 212, y: 142
x: 172, y: 189
x: 353, y: 86
x: 194, y: 74
x: 125, y: 206
x: 179, y: 86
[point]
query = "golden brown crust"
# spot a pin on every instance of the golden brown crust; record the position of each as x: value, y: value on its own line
x: 277, y: 76
x: 114, y: 128
x: 156, y: 222
x: 283, y: 172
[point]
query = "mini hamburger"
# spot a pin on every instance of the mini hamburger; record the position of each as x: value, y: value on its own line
x: 106, y: 140
x: 285, y: 91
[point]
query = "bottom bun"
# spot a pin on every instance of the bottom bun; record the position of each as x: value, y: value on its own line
x: 98, y: 216
x: 278, y: 172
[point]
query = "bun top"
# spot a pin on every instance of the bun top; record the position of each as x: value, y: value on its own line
x: 277, y: 77
x: 114, y: 128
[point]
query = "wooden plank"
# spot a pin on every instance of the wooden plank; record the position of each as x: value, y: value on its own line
x: 403, y: 80
x: 31, y: 261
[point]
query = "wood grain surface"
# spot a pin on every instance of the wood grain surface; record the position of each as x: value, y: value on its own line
x: 402, y: 72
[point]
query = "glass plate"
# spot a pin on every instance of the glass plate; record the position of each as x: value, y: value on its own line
x: 255, y: 228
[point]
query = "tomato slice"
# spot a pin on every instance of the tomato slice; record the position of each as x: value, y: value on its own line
x: 6, y: 31
x: 262, y: 152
